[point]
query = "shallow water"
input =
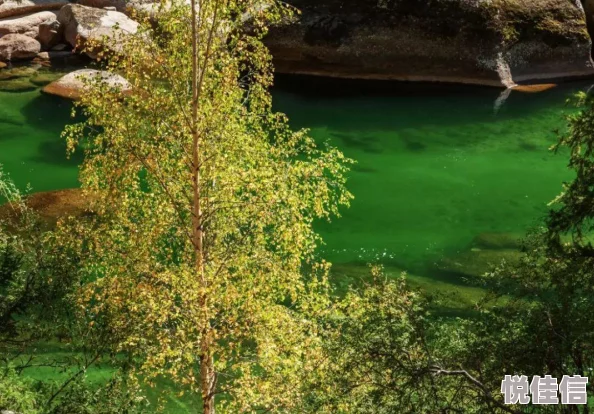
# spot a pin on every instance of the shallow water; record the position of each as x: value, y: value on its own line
x: 31, y: 149
x: 436, y: 166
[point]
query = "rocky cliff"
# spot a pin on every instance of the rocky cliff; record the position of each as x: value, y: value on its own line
x: 489, y: 42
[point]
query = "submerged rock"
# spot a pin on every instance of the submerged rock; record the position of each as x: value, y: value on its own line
x: 73, y: 85
x: 17, y: 72
x: 476, y: 262
x: 494, y: 42
x: 17, y: 85
x: 51, y: 206
x: 44, y: 78
x: 18, y: 47
x: 82, y: 24
x: 497, y: 241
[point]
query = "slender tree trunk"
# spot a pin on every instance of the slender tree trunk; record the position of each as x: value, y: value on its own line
x: 207, y: 372
x: 208, y: 383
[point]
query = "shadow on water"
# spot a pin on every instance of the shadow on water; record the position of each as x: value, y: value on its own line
x: 49, y: 113
x: 413, y: 146
x: 363, y: 169
x: 529, y: 146
x: 313, y: 87
x: 365, y: 143
x: 54, y: 153
x: 392, y: 105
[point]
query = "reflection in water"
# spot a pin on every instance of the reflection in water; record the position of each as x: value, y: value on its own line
x: 500, y: 101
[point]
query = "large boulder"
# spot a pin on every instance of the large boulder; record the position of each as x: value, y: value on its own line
x: 18, y: 47
x: 27, y: 25
x: 74, y: 84
x: 82, y: 24
x: 9, y: 8
x: 50, y: 33
x: 495, y: 42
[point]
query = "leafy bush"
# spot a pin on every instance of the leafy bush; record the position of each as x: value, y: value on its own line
x: 17, y: 394
x: 116, y: 397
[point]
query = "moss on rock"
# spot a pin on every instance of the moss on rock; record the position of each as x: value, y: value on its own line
x: 45, y: 78
x: 17, y: 85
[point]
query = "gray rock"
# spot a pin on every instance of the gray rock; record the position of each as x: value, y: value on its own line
x: 50, y: 33
x: 10, y: 8
x: 496, y: 43
x: 82, y: 24
x: 119, y: 5
x: 18, y: 47
x: 74, y: 84
x: 27, y: 25
x: 150, y: 8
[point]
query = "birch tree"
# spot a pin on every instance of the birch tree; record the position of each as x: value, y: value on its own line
x: 201, y: 257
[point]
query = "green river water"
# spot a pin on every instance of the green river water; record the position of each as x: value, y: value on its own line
x: 436, y: 167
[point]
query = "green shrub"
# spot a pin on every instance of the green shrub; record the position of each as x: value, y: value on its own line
x: 17, y: 394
